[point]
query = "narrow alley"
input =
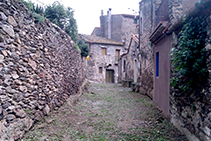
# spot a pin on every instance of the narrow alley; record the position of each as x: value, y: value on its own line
x: 107, y: 112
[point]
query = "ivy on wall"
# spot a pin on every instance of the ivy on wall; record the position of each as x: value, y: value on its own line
x: 189, y: 58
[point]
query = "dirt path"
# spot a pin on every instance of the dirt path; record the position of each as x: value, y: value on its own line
x: 110, y: 113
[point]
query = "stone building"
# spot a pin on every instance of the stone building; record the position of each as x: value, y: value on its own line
x: 119, y: 27
x: 107, y: 43
x: 102, y: 65
x: 195, y: 123
x: 129, y: 64
x: 136, y: 63
x: 144, y: 50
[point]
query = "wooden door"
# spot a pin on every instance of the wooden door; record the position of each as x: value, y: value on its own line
x: 110, y: 76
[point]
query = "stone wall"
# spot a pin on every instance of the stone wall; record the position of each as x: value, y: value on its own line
x: 194, y: 120
x: 128, y: 29
x: 147, y: 23
x: 39, y: 69
x: 175, y: 10
x: 178, y: 8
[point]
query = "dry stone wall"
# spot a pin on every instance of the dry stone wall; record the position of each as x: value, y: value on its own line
x: 39, y: 69
x: 194, y: 120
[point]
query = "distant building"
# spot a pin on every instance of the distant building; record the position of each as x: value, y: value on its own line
x: 107, y: 43
x: 119, y: 27
x: 102, y: 65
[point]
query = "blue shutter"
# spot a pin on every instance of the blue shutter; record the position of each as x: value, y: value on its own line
x: 157, y: 64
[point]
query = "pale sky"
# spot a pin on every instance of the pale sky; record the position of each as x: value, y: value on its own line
x: 87, y: 12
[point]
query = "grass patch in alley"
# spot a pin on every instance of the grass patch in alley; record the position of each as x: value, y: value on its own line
x: 112, y: 113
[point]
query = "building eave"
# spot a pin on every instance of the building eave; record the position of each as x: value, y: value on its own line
x: 104, y: 43
x: 159, y: 32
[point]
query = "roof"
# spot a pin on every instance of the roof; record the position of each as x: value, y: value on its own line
x: 134, y: 37
x: 96, y: 29
x: 124, y: 15
x: 99, y: 40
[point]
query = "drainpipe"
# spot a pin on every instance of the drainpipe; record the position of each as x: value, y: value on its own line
x: 109, y: 23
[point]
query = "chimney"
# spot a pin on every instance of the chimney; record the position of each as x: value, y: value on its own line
x: 101, y: 12
x: 109, y: 23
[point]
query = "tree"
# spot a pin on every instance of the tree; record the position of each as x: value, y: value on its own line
x: 83, y: 47
x: 62, y: 17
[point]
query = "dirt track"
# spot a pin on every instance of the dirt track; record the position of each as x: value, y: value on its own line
x: 109, y: 113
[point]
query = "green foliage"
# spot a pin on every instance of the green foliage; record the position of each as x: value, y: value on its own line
x: 29, y: 4
x: 56, y: 13
x: 62, y: 17
x: 38, y: 18
x: 189, y: 58
x: 78, y: 49
x: 83, y: 47
x: 37, y: 11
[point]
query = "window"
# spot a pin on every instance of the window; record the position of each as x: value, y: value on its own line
x: 117, y: 54
x: 100, y: 69
x: 103, y: 51
x: 124, y: 66
x: 157, y: 64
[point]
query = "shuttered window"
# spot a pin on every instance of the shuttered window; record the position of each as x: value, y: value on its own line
x: 103, y: 51
x: 117, y: 53
x: 157, y: 64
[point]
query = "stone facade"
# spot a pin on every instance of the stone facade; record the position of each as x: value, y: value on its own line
x: 103, y: 58
x: 147, y: 24
x: 39, y: 69
x: 122, y: 27
x: 129, y: 64
x: 115, y: 32
x: 177, y: 8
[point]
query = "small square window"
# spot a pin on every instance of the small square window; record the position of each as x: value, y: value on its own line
x: 100, y: 69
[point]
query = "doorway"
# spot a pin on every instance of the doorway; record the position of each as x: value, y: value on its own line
x: 109, y: 76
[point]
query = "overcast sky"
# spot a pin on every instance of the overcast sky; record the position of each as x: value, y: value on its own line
x: 87, y: 12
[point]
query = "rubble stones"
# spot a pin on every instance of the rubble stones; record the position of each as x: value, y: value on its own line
x: 9, y: 30
x: 1, y: 58
x: 3, y: 16
x: 1, y: 114
x: 38, y: 69
x: 12, y: 21
x: 20, y: 113
x: 9, y: 117
x: 46, y: 110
